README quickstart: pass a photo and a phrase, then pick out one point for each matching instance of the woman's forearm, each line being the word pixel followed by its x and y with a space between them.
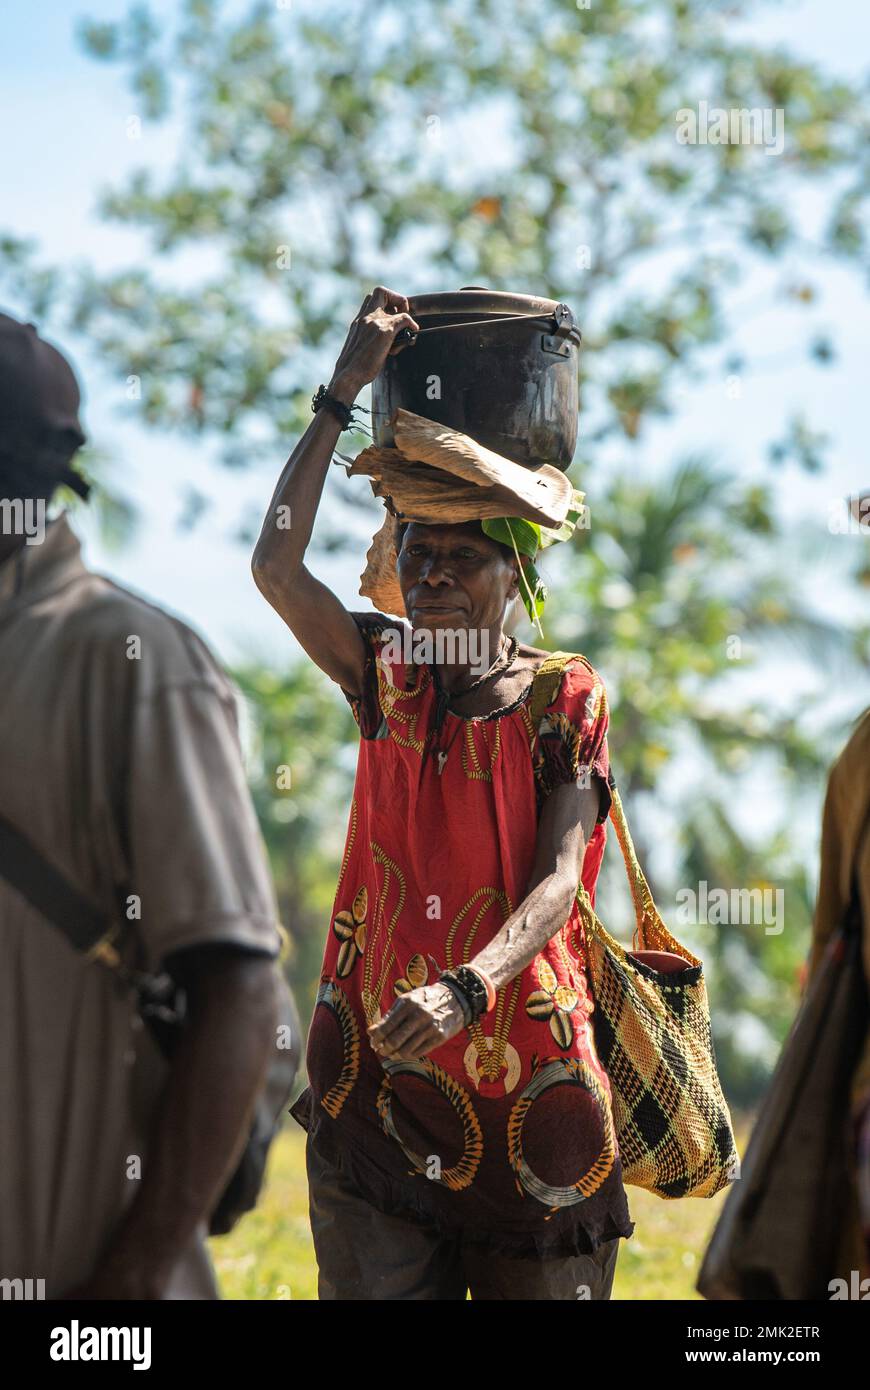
pixel 420 1021
pixel 526 932
pixel 289 521
pixel 567 822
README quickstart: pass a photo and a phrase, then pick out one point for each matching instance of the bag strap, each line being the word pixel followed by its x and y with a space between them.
pixel 547 679
pixel 650 932
pixel 27 870
pixel 86 928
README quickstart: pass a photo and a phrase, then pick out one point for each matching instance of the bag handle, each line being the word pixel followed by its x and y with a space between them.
pixel 650 932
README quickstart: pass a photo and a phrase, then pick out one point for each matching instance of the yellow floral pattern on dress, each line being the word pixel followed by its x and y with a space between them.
pixel 554 1003
pixel 350 928
pixel 416 975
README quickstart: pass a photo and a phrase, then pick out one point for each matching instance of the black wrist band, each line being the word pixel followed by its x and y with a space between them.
pixel 449 979
pixel 474 988
pixel 343 412
pixel 469 989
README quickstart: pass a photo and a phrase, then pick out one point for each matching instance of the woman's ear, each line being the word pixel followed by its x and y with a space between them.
pixel 514 590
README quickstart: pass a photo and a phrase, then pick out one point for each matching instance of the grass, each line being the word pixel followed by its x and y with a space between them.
pixel 270 1256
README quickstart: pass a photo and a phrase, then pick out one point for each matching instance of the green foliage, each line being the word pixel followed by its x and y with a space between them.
pixel 680 586
pixel 300 770
pixel 324 151
pixel 755 966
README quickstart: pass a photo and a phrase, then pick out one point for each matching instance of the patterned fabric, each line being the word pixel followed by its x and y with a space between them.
pixel 505 1131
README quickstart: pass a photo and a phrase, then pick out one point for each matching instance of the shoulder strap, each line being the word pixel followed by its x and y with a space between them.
pixel 27 870
pixel 650 930
pixel 547 679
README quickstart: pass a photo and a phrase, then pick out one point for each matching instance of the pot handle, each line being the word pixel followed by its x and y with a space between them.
pixel 565 322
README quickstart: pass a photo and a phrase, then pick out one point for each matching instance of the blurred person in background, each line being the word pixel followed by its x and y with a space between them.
pixel 845 865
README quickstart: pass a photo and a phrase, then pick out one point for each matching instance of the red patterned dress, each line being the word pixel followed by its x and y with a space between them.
pixel 505 1132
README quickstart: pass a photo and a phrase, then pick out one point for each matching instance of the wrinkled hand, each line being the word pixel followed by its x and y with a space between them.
pixel 371 337
pixel 417 1023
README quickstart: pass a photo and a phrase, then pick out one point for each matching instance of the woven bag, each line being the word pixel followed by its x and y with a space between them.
pixel 652 1032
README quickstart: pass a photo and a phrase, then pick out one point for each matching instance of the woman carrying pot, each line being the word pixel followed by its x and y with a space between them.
pixel 460 1134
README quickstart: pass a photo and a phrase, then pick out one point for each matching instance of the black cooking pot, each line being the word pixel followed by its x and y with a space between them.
pixel 503 368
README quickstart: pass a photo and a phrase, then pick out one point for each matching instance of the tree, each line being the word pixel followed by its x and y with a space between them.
pixel 321 155
pixel 300 771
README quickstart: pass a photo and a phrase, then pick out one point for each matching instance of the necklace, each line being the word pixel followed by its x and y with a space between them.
pixel 506 657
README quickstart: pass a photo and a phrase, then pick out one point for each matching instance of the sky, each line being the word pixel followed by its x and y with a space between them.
pixel 64 124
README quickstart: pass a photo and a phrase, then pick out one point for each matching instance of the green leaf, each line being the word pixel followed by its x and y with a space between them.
pixel 524 536
pixel 528 536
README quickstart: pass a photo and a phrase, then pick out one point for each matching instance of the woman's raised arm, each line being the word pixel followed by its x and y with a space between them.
pixel 318 620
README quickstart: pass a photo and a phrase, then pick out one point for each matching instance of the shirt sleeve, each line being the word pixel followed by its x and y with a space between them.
pixel 845 852
pixel 366 708
pixel 197 861
pixel 572 746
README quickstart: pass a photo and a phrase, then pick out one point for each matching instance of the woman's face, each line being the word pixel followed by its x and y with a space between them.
pixel 454 577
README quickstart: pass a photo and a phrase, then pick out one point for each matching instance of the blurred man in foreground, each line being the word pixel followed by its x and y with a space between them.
pixel 119 764
pixel 845 863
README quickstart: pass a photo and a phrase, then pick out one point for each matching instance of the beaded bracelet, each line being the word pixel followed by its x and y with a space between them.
pixel 344 412
pixel 470 983
pixel 459 994
pixel 488 985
